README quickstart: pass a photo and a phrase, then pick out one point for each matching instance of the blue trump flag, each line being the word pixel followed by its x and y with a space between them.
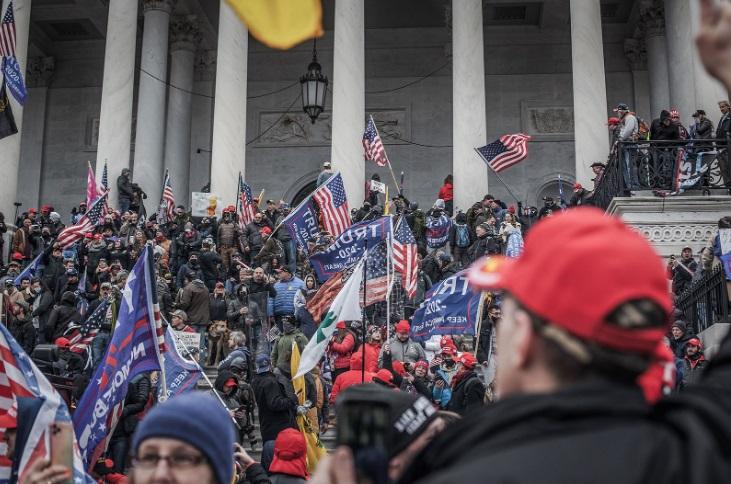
pixel 182 372
pixel 450 307
pixel 302 223
pixel 30 270
pixel 350 247
pixel 136 347
pixel 14 79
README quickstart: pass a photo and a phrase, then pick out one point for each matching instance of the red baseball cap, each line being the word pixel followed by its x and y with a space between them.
pixel 398 367
pixel 403 326
pixel 576 268
pixel 449 350
pixel 230 383
pixel 341 325
pixel 468 360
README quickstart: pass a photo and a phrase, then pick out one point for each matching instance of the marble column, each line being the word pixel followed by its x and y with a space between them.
pixel 150 130
pixel 199 173
pixel 10 145
pixel 115 118
pixel 652 19
pixel 589 87
pixel 38 74
pixel 348 105
pixel 634 51
pixel 184 37
pixel 469 125
pixel 228 152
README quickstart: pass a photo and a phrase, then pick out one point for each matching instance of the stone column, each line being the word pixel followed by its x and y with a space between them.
pixel 199 173
pixel 10 145
pixel 184 36
pixel 634 50
pixel 469 126
pixel 38 73
pixel 150 130
pixel 115 118
pixel 589 86
pixel 652 18
pixel 348 102
pixel 228 152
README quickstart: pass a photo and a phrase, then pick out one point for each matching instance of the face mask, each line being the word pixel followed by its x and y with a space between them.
pixel 287 326
pixel 449 363
pixel 37 290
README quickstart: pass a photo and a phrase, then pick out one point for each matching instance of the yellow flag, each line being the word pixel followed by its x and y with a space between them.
pixel 386 204
pixel 280 24
pixel 306 423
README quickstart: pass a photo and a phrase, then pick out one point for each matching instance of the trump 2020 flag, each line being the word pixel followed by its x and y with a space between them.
pixel 302 224
pixel 23 388
pixel 30 270
pixel 450 307
pixel 345 307
pixel 136 347
pixel 182 372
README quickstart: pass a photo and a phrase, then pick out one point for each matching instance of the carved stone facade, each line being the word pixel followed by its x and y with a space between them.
pixel 205 65
pixel 184 33
pixel 652 18
pixel 39 71
pixel 636 53
pixel 164 5
pixel 547 121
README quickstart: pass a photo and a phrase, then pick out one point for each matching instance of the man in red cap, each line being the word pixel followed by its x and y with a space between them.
pixel 584 310
pixel 694 362
pixel 402 347
pixel 468 391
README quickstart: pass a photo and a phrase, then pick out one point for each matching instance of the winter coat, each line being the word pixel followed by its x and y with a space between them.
pixel 693 369
pixel 342 350
pixel 26 335
pixel 217 307
pixel 285 293
pixel 252 233
pixel 183 271
pixel 467 395
pixel 209 261
pixel 354 376
pixel 276 408
pixel 282 350
pixel 371 356
pixel 194 301
pixel 441 396
pixel 138 395
pixel 52 271
pixel 42 307
pixel 234 316
pixel 228 235
pixel 61 316
pixel 410 351
pixel 124 187
pixel 590 431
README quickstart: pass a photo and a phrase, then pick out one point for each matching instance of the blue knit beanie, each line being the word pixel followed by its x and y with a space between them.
pixel 198 420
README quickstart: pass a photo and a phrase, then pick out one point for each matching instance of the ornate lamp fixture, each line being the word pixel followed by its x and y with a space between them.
pixel 314 87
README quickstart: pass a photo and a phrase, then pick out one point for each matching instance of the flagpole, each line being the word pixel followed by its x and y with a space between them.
pixel 478 326
pixel 515 197
pixel 389 276
pixel 390 168
pixel 363 312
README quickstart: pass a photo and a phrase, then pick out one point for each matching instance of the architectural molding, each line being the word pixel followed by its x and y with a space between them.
pixel 547 120
pixel 636 53
pixel 691 233
pixel 184 33
pixel 652 17
pixel 39 71
pixel 162 5
pixel 205 65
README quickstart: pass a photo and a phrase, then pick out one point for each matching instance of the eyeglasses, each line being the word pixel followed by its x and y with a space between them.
pixel 175 461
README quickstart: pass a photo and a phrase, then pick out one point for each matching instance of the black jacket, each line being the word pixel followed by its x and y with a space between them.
pixel 724 127
pixel 124 187
pixel 276 408
pixel 468 395
pixel 595 431
pixel 135 402
pixel 61 316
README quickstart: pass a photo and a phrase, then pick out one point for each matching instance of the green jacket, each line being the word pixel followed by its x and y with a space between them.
pixel 282 350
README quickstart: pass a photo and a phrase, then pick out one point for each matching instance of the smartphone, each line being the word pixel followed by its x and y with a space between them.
pixel 364 426
pixel 62 446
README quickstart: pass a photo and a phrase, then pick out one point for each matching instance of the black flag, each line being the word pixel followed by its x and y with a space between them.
pixel 7 120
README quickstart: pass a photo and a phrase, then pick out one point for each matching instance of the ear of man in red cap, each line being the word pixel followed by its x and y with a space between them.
pixel 584 309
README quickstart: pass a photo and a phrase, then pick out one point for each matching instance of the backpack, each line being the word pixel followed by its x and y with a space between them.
pixel 461 235
pixel 643 129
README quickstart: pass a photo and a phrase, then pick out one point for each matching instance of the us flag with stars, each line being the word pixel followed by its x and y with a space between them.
pixel 334 211
pixel 505 152
pixel 404 257
pixel 82 336
pixel 105 189
pixel 7 33
pixel 373 145
pixel 246 203
pixel 376 280
pixel 86 223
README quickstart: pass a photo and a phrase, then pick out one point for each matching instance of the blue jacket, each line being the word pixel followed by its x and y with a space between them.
pixel 284 300
pixel 442 396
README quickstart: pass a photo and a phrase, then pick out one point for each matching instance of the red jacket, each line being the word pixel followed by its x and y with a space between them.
pixel 371 357
pixel 343 350
pixel 354 376
pixel 445 193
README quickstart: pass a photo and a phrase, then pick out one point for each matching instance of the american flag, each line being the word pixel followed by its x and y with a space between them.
pixel 167 202
pixel 505 152
pixel 321 301
pixel 247 208
pixel 86 223
pixel 373 145
pixel 81 337
pixel 21 379
pixel 92 193
pixel 104 190
pixel 404 257
pixel 7 33
pixel 334 211
pixel 376 282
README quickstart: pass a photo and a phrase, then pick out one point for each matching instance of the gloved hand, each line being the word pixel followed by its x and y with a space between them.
pixel 302 410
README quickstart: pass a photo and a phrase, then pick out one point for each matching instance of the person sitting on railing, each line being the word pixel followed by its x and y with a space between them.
pixel 681 272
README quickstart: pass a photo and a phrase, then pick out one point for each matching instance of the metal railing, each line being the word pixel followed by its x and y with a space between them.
pixel 705 302
pixel 662 167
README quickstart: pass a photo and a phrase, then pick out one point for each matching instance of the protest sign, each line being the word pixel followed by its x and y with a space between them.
pixel 205 205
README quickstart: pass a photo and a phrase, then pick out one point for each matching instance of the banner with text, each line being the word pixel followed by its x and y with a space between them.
pixel 302 224
pixel 350 247
pixel 450 307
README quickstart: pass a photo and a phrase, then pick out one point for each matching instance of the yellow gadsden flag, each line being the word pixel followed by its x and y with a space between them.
pixel 306 423
pixel 280 24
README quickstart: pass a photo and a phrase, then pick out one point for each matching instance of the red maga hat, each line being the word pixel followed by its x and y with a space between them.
pixel 598 262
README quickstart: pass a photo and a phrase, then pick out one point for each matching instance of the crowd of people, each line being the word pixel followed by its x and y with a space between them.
pixel 580 331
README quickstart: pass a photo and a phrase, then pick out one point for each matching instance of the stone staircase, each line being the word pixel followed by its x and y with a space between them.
pixel 328 438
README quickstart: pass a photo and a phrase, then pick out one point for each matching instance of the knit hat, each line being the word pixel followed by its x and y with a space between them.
pixel 385 378
pixel 290 454
pixel 198 420
pixel 403 326
pixel 398 367
pixel 439 204
pixel 263 364
pixel 410 414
